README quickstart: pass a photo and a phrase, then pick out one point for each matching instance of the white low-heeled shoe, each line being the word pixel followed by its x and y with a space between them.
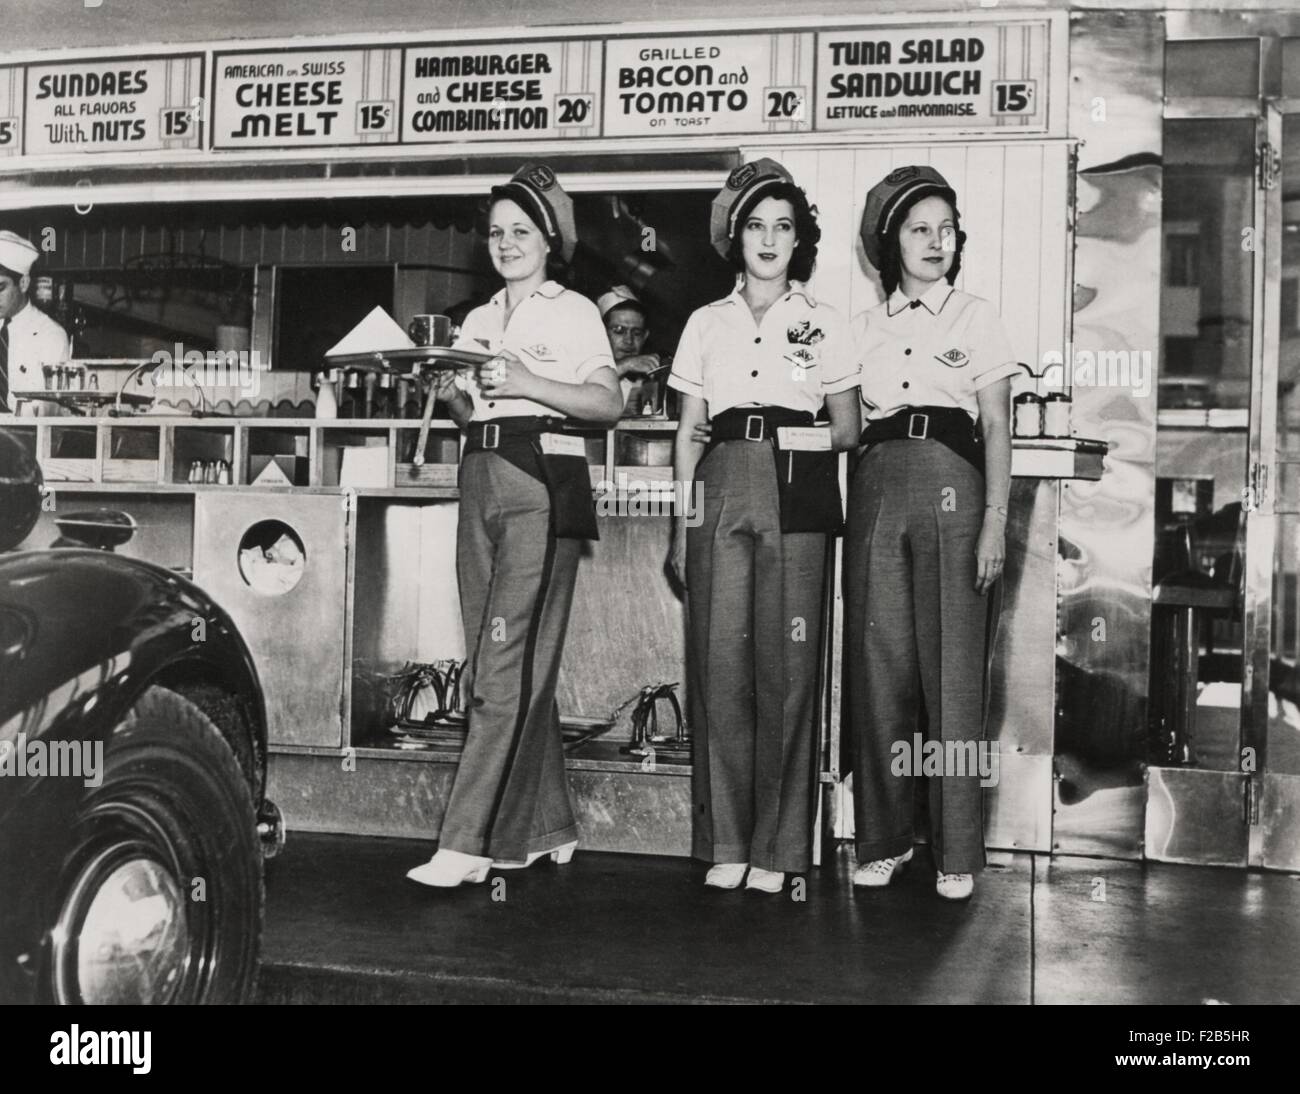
pixel 955 886
pixel 448 869
pixel 559 855
pixel 765 881
pixel 726 875
pixel 876 875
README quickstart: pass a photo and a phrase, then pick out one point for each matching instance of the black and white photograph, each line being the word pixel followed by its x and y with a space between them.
pixel 614 503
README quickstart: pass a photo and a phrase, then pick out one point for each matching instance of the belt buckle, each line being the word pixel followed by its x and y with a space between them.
pixel 491 435
pixel 925 427
pixel 749 427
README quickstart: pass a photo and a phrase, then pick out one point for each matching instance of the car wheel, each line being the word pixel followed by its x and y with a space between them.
pixel 160 897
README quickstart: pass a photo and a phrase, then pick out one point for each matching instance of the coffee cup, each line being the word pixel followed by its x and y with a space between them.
pixel 430 330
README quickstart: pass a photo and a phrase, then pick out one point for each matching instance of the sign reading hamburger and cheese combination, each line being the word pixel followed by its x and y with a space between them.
pixel 498 92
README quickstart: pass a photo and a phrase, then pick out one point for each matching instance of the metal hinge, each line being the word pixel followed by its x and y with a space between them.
pixel 1269 162
pixel 1252 801
pixel 1256 491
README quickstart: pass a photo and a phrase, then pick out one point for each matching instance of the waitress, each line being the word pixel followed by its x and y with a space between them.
pixel 924 543
pixel 757 366
pixel 525 506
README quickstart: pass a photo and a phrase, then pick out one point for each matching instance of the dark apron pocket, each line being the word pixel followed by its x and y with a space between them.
pixel 809 487
pixel 573 508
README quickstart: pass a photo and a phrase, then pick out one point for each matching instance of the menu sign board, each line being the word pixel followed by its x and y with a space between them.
pixel 499 91
pixel 123 104
pixel 980 76
pixel 685 86
pixel 11 111
pixel 305 98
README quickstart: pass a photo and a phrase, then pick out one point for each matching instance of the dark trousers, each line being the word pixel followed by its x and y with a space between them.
pixel 755 630
pixel 914 627
pixel 510 796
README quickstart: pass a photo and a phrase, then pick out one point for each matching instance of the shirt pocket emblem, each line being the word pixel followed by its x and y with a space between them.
pixel 804 357
pixel 953 358
pixel 539 352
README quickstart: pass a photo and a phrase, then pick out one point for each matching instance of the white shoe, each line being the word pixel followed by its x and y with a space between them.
pixel 559 855
pixel 765 881
pixel 955 886
pixel 447 869
pixel 876 875
pixel 726 875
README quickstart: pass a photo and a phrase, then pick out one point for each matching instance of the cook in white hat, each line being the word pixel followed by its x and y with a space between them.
pixel 28 337
pixel 626 324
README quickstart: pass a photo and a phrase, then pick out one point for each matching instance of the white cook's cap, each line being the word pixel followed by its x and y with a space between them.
pixel 17 254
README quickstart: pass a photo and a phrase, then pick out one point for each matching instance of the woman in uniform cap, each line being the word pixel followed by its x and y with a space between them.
pixel 758 366
pixel 525 506
pixel 924 541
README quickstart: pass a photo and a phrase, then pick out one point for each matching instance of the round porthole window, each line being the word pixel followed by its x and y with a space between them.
pixel 272 558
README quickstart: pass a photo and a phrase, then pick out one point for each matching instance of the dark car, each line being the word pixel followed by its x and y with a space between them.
pixel 133 816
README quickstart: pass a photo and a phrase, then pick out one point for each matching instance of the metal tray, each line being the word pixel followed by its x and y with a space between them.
pixel 435 357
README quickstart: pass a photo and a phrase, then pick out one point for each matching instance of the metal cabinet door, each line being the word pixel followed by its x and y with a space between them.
pixel 298 638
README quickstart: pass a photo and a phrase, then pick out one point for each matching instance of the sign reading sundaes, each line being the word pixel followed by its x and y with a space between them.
pixel 718 84
pixel 971 77
pixel 294 99
pixel 499 91
pixel 137 104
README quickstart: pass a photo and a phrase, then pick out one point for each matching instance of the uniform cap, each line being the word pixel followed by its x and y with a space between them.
pixel 619 294
pixel 536 190
pixel 17 254
pixel 742 184
pixel 886 197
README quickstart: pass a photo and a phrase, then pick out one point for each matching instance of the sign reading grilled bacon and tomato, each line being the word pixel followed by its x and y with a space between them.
pixel 981 76
pixel 124 104
pixel 305 98
pixel 687 86
pixel 501 91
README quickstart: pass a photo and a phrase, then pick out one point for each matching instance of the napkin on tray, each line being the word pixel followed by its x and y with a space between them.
pixel 377 332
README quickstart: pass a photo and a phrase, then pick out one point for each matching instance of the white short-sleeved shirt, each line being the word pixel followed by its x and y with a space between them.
pixel 938 350
pixel 800 353
pixel 555 332
pixel 34 340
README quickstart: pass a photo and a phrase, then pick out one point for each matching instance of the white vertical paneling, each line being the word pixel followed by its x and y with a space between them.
pixel 1054 243
pixel 1022 230
pixel 981 200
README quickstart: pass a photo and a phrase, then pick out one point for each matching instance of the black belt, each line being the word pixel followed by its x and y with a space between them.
pixel 755 423
pixel 949 425
pixel 512 432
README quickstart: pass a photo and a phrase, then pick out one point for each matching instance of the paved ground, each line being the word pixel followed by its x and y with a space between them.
pixel 343 925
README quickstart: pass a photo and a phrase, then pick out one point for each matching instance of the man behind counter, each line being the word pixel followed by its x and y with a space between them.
pixel 28 337
pixel 627 329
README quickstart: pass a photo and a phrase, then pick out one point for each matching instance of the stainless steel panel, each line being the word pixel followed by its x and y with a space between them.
pixel 1280 819
pixel 299 639
pixel 1022 685
pixel 405 797
pixel 1196 816
pixel 1018 811
pixel 627 626
pixel 1107 527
